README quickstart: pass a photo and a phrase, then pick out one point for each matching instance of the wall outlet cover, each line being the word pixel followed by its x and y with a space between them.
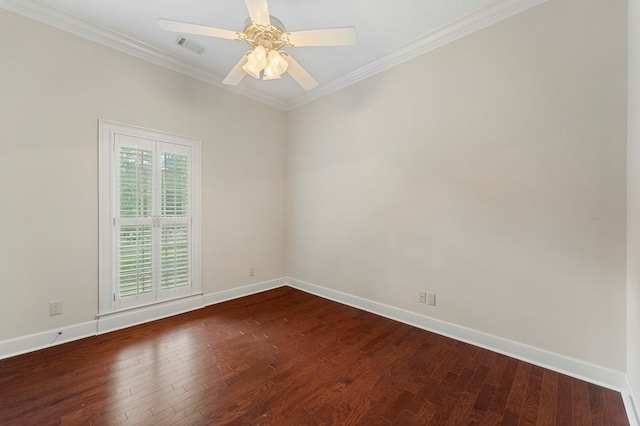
pixel 55 308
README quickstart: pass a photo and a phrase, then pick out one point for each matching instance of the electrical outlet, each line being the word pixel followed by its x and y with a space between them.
pixel 55 308
pixel 423 297
pixel 252 271
pixel 431 299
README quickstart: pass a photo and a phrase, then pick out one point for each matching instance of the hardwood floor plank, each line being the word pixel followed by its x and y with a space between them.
pixel 530 409
pixel 393 410
pixel 422 396
pixel 598 405
pixel 426 362
pixel 426 413
pixel 510 418
pixel 476 358
pixel 444 411
pixel 285 357
pixel 475 385
pixel 581 403
pixel 516 398
pixel 548 398
pixel 499 401
pixel 447 359
pixel 404 418
pixel 615 408
pixel 440 393
pixel 484 397
pixel 491 419
pixel 462 383
pixel 494 375
pixel 564 404
pixel 462 409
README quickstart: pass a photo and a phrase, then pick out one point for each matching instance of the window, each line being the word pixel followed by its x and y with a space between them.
pixel 149 217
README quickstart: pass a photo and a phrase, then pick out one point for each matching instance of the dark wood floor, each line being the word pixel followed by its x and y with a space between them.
pixel 289 358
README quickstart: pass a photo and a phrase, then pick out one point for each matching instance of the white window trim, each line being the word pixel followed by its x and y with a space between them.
pixel 106 208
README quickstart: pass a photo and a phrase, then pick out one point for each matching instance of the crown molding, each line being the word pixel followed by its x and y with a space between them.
pixel 495 12
pixel 128 45
pixel 489 15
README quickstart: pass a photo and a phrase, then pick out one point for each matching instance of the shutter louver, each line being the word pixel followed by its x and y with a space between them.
pixel 135 260
pixel 174 256
pixel 136 176
pixel 175 185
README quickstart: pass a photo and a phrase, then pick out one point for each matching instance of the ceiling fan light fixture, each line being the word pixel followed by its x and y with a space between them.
pixel 258 58
pixel 270 74
pixel 267 35
pixel 277 63
pixel 267 60
pixel 251 70
pixel 256 62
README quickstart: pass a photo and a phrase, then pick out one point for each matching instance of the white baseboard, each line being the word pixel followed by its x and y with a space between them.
pixel 606 377
pixel 45 339
pixel 566 365
pixel 632 404
pixel 234 293
pixel 128 318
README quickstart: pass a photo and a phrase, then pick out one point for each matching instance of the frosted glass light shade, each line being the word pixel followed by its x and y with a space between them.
pixel 256 61
pixel 270 73
pixel 276 66
pixel 269 61
pixel 258 58
pixel 277 63
pixel 251 70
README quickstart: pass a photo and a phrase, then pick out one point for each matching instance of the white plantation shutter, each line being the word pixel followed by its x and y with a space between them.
pixel 175 220
pixel 135 177
pixel 152 226
pixel 134 233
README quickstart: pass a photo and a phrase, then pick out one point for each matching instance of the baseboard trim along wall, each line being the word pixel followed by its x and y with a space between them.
pixel 119 320
pixel 33 342
pixel 609 378
pixel 592 373
pixel 130 317
pixel 632 404
pixel 235 293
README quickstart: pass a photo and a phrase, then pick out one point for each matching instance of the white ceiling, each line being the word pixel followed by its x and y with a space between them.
pixel 389 32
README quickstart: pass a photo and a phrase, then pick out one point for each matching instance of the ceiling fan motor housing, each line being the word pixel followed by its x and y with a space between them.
pixel 269 37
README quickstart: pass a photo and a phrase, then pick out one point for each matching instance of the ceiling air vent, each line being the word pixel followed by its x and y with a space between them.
pixel 191 45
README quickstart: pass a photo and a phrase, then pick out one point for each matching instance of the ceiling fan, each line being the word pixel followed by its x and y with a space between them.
pixel 267 36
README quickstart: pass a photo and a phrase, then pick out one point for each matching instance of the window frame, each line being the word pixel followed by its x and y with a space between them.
pixel 108 159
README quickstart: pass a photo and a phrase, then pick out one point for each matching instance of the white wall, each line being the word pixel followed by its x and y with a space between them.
pixel 633 203
pixel 53 89
pixel 490 171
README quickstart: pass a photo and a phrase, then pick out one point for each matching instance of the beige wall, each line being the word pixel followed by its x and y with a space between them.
pixel 490 171
pixel 53 89
pixel 633 200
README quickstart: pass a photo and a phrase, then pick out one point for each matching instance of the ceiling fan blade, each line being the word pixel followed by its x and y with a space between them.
pixel 343 36
pixel 298 73
pixel 236 75
pixel 259 12
pixel 184 27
